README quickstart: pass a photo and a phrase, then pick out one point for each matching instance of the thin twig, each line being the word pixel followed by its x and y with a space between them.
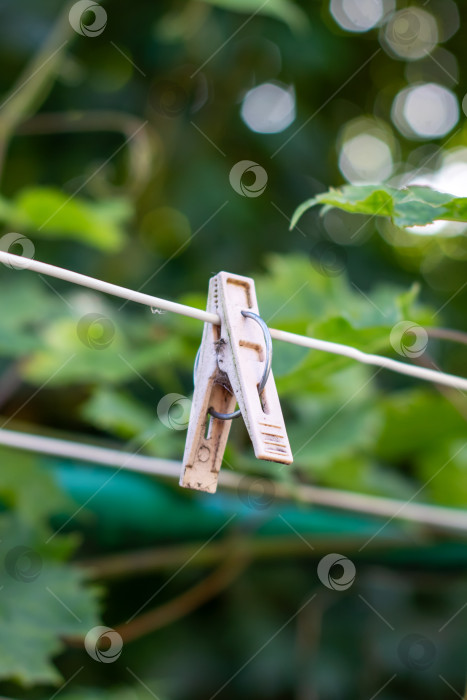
pixel 181 605
pixel 149 561
pixel 34 83
pixel 185 603
pixel 308 640
pixel 140 148
pixel 10 380
pixel 447 334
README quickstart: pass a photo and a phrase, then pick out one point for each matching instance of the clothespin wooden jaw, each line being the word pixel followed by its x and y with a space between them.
pixel 230 369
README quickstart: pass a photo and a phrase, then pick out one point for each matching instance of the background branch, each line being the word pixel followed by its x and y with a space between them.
pixel 34 83
pixel 141 141
pixel 187 602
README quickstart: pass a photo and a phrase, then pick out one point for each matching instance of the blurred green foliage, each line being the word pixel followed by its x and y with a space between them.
pixel 56 214
pixel 116 154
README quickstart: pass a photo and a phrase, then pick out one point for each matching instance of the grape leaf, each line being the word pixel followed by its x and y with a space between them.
pixel 34 617
pixel 23 309
pixel 43 598
pixel 410 206
pixel 29 490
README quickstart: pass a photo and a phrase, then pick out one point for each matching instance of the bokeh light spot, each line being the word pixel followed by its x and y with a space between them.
pixel 427 110
pixel 366 150
pixel 269 108
pixel 365 159
pixel 411 34
pixel 464 105
pixel 357 15
pixel 447 17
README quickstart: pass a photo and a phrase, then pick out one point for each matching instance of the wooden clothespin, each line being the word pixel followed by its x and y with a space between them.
pixel 233 366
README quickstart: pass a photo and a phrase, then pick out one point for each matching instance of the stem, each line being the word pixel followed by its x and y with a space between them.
pixel 140 147
pixel 447 334
pixel 98 120
pixel 309 629
pixel 34 83
pixel 148 561
pixel 185 603
pixel 10 380
pixel 182 605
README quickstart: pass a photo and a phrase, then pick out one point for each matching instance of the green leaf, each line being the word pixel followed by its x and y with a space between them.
pixel 69 354
pixel 406 417
pixel 24 306
pixel 327 308
pixel 36 613
pixel 119 413
pixel 28 489
pixel 443 471
pixel 43 598
pixel 51 213
pixel 324 434
pixel 7 209
pixel 411 206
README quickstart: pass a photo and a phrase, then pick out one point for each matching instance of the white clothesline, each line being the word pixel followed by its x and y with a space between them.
pixel 426 374
pixel 434 516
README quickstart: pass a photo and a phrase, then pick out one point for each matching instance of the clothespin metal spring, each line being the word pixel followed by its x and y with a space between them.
pixel 267 366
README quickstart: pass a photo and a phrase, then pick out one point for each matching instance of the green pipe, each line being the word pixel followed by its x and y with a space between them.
pixel 125 508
